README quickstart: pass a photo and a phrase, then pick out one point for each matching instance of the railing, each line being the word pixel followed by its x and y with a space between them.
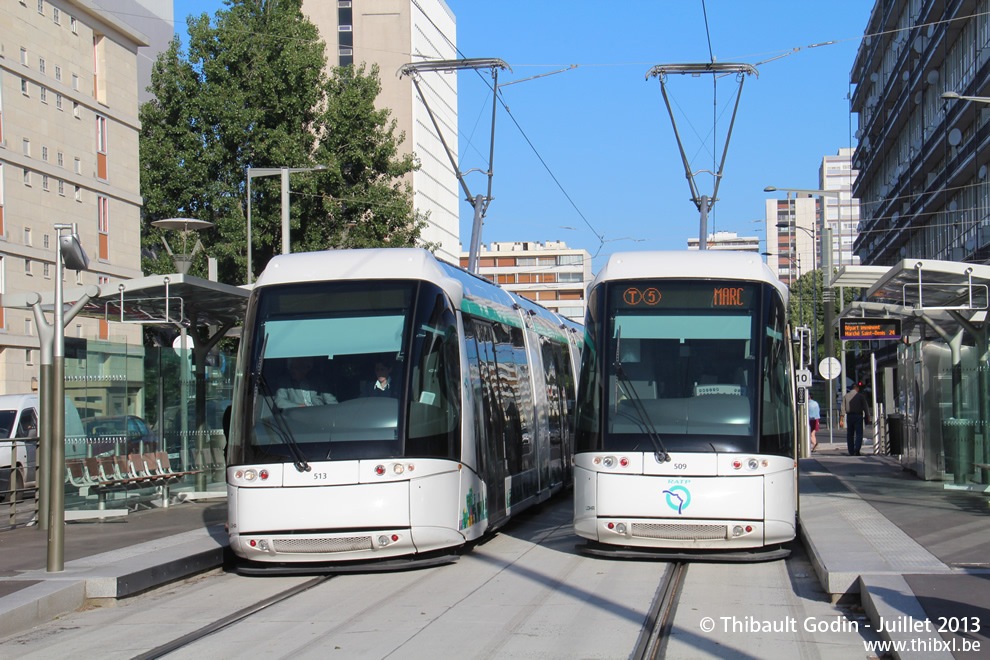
pixel 18 485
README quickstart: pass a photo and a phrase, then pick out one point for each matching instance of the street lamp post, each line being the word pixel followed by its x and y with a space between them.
pixel 284 172
pixel 814 287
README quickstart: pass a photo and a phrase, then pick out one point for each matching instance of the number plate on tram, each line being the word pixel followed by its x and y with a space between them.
pixel 682 464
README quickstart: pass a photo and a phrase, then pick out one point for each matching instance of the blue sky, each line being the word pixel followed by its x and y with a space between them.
pixel 604 131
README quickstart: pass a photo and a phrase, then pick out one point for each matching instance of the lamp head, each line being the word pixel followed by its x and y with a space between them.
pixel 73 255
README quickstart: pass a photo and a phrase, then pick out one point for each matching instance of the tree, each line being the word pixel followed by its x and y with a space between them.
pixel 806 305
pixel 253 91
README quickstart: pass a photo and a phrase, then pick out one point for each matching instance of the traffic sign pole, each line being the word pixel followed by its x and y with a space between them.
pixel 830 369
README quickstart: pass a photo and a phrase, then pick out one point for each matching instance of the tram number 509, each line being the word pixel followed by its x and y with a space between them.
pixel 680 466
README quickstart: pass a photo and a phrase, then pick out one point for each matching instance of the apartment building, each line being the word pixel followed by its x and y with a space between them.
pixel 550 273
pixel 392 33
pixel 68 154
pixel 728 240
pixel 922 157
pixel 792 236
pixel 840 213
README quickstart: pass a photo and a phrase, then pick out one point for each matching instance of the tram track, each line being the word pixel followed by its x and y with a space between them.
pixel 231 619
pixel 652 642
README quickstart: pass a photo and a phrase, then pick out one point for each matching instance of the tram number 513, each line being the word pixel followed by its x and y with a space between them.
pixel 320 476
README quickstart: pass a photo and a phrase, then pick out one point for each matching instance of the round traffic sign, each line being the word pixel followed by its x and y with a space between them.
pixel 830 368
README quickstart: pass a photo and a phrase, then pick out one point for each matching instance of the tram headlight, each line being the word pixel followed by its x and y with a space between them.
pixel 621 528
pixel 753 464
pixel 383 541
pixel 737 530
pixel 250 475
pixel 397 468
pixel 609 462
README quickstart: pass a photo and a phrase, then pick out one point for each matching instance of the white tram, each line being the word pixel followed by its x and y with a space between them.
pixel 473 425
pixel 686 424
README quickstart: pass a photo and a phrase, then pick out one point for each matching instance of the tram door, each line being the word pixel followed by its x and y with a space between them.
pixel 490 421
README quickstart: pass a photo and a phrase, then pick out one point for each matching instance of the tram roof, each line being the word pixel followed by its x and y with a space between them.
pixel 468 292
pixel 689 264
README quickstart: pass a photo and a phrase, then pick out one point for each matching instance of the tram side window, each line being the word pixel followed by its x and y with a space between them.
pixel 490 422
pixel 588 436
pixel 553 363
pixel 778 417
pixel 515 394
pixel 434 401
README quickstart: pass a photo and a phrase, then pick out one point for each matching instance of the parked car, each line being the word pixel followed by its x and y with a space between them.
pixel 19 438
pixel 122 434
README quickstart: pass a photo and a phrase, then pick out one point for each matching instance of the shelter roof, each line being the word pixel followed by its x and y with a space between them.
pixel 155 300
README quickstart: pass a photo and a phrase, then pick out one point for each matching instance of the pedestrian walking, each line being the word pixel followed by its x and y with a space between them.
pixel 814 414
pixel 856 411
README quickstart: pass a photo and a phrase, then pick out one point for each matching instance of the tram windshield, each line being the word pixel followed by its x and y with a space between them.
pixel 690 361
pixel 348 370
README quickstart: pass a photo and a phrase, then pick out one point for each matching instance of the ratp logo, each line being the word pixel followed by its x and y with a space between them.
pixel 678 498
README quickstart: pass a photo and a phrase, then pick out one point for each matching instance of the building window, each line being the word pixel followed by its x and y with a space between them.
pixel 46 241
pixel 56 16
pixel 60 159
pixel 24 56
pixel 58 73
pixel 27 357
pixel 101 147
pixel 78 193
pixel 61 187
pixel 44 182
pixel 41 65
pixel 75 82
pixel 78 166
pixel 2 229
pixel 44 153
pixel 26 147
pixel 73 25
pixel 47 271
pixel 75 109
pixel 24 87
pixel 44 95
pixel 103 225
pixel 41 6
pixel 27 236
pixel 27 177
pixel 27 266
pixel 58 101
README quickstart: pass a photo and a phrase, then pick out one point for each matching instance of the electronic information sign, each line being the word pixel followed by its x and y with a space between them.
pixel 852 329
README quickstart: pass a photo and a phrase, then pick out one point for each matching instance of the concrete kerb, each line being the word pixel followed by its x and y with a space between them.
pixel 890 597
pixel 40 603
pixel 110 575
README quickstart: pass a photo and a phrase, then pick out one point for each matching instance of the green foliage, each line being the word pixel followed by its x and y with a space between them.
pixel 807 308
pixel 253 91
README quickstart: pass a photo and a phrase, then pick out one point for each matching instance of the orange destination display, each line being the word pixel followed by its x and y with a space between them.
pixel 869 329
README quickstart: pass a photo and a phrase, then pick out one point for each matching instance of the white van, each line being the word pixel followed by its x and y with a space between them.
pixel 19 438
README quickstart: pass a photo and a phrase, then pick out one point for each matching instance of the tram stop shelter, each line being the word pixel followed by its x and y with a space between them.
pixel 203 311
pixel 935 383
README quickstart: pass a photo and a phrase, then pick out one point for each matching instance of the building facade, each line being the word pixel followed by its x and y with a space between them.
pixel 923 158
pixel 842 213
pixel 728 240
pixel 792 236
pixel 68 154
pixel 392 33
pixel 550 273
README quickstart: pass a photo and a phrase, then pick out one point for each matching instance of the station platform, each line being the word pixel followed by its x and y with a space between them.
pixel 910 551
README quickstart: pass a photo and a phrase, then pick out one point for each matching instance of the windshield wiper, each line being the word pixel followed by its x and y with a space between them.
pixel 281 427
pixel 659 451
